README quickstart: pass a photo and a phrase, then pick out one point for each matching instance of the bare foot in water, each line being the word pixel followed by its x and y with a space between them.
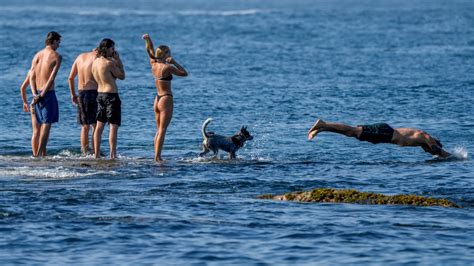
pixel 313 131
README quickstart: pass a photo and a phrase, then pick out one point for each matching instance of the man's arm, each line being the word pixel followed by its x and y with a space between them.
pixel 70 80
pixel 32 75
pixel 23 87
pixel 52 76
pixel 117 67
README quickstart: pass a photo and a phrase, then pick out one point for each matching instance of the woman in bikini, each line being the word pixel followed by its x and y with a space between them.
pixel 163 67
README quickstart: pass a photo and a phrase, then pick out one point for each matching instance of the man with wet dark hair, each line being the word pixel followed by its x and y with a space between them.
pixel 52 37
pixel 106 68
pixel 383 133
pixel 44 68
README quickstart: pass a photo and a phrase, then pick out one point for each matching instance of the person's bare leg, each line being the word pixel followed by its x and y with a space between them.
pixel 43 139
pixel 85 139
pixel 92 137
pixel 166 112
pixel 113 131
pixel 155 140
pixel 339 128
pixel 98 138
pixel 35 135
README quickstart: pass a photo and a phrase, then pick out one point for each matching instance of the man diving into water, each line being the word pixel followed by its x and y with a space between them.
pixel 383 133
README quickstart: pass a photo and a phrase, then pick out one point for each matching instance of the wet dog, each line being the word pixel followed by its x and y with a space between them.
pixel 213 142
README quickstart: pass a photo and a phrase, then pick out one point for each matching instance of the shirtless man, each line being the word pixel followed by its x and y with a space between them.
pixel 44 67
pixel 87 100
pixel 383 133
pixel 107 67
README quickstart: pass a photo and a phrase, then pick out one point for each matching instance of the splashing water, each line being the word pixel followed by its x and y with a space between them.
pixel 460 153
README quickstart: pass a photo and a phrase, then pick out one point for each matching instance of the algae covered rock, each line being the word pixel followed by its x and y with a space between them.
pixel 354 196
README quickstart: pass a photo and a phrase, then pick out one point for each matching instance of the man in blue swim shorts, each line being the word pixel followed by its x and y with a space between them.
pixel 44 67
pixel 383 133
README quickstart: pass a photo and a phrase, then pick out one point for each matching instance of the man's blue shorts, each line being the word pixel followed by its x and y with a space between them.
pixel 46 109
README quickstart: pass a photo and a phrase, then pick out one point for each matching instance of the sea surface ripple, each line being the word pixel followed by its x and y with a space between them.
pixel 274 66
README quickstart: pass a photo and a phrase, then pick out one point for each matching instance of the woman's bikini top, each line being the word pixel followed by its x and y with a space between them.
pixel 167 78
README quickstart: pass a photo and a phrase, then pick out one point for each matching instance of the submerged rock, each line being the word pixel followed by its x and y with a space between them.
pixel 354 196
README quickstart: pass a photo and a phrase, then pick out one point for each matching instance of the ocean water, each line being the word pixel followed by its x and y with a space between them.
pixel 274 66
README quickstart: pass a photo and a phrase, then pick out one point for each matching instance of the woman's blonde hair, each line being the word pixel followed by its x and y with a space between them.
pixel 162 51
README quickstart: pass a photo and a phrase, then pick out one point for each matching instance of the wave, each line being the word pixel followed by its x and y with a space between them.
pixel 244 12
pixel 47 173
pixel 225 160
pixel 123 11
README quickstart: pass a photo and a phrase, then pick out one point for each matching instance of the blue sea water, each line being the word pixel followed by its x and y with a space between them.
pixel 274 66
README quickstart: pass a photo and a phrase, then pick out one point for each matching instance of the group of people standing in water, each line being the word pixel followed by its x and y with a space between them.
pixel 97 100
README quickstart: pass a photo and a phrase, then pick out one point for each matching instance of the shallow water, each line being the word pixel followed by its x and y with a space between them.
pixel 274 66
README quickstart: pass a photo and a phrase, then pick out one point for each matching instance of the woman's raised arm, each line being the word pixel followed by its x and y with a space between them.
pixel 149 46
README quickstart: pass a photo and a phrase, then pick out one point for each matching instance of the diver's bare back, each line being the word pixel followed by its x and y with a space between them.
pixel 85 78
pixel 411 137
pixel 102 71
pixel 43 65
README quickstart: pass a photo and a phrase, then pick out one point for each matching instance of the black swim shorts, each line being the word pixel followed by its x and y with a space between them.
pixel 87 107
pixel 376 133
pixel 109 108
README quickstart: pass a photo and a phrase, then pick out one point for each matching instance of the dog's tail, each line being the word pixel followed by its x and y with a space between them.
pixel 204 126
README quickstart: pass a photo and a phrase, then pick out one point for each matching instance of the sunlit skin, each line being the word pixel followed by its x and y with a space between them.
pixel 162 66
pixel 82 68
pixel 34 124
pixel 105 71
pixel 405 137
pixel 44 68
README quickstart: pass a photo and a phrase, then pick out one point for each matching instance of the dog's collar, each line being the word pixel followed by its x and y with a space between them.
pixel 237 140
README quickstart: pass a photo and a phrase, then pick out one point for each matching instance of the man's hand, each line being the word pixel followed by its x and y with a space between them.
pixel 26 108
pixel 36 99
pixel 74 99
pixel 146 36
pixel 116 55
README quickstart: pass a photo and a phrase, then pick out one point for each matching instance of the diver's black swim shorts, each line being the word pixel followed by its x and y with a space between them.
pixel 376 133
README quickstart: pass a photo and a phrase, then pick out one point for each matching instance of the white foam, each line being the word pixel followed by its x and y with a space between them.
pixel 244 12
pixel 48 173
pixel 124 11
pixel 460 153
pixel 198 160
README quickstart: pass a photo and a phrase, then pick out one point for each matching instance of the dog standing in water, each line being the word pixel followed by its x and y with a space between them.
pixel 213 142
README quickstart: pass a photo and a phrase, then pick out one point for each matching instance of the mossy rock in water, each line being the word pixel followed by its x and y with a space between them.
pixel 354 196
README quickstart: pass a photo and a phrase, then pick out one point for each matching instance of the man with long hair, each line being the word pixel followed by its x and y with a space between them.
pixel 106 68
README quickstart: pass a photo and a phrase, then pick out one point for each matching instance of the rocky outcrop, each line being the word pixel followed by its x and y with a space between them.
pixel 354 196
